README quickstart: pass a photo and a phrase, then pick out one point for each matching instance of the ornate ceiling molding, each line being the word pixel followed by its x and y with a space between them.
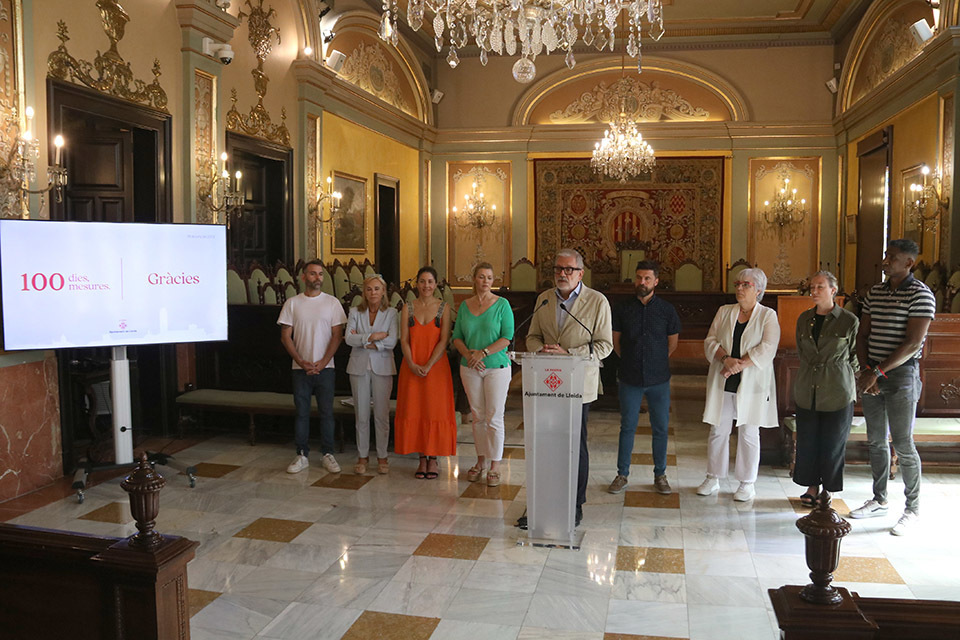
pixel 368 67
pixel 258 122
pixel 113 75
pixel 642 102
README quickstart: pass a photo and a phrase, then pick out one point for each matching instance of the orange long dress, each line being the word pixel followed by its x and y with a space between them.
pixel 425 422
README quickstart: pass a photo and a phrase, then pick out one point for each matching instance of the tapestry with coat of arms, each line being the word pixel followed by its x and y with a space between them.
pixel 676 211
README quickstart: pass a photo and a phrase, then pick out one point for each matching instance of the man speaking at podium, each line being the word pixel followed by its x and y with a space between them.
pixel 575 320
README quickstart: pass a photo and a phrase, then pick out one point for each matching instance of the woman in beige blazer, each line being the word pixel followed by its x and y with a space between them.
pixel 740 346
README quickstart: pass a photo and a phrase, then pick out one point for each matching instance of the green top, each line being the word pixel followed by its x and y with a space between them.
pixel 828 366
pixel 479 332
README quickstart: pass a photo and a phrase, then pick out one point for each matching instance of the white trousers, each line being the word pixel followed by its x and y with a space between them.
pixel 718 444
pixel 487 392
pixel 364 386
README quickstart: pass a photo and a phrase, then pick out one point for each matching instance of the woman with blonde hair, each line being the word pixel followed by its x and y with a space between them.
pixel 372 334
pixel 426 422
pixel 483 331
pixel 740 346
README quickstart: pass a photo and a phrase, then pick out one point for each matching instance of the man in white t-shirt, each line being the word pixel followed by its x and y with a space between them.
pixel 311 328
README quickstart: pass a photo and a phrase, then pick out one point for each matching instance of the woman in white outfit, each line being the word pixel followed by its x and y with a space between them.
pixel 740 347
pixel 372 332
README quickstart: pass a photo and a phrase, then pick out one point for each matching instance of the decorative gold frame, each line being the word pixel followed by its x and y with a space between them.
pixel 348 213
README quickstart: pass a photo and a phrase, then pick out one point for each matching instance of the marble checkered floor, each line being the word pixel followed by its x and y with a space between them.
pixel 343 556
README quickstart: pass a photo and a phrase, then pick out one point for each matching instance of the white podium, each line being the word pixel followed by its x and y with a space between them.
pixel 552 408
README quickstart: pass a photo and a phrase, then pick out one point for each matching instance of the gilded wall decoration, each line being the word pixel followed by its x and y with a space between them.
pixel 786 254
pixel 473 237
pixel 947 145
pixel 204 141
pixel 11 56
pixel 642 102
pixel 676 210
pixel 368 67
pixel 893 47
pixel 312 178
pixel 258 122
pixel 108 73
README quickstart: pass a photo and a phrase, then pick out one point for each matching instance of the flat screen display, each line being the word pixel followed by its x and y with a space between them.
pixel 91 284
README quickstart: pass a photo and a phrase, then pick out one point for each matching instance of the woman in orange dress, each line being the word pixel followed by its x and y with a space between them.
pixel 425 421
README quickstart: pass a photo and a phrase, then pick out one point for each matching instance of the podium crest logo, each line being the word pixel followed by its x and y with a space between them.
pixel 553 381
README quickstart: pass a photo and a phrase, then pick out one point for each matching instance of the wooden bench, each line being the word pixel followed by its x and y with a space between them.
pixel 255 403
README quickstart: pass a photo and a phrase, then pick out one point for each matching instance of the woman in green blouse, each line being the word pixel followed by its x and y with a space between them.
pixel 483 331
pixel 824 389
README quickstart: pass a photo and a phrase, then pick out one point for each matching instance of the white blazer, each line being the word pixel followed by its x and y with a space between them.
pixel 379 360
pixel 757 394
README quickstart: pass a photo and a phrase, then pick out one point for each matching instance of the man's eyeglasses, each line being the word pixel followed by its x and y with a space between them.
pixel 566 270
pixel 745 284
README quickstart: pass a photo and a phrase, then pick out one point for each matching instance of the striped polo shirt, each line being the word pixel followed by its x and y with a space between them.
pixel 889 312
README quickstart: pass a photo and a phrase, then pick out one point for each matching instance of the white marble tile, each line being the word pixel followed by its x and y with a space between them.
pixel 714 539
pixel 305 557
pixel 414 599
pixel 569 573
pixel 331 534
pixel 878 590
pixel 234 614
pixel 638 617
pixel 541 633
pixel 313 621
pixel 925 571
pixel 459 630
pixel 651 587
pixel 333 590
pixel 649 517
pixel 507 550
pixel 480 605
pixel 199 633
pixel 472 526
pixel 708 622
pixel 351 516
pixel 935 592
pixel 364 562
pixel 718 563
pixel 504 576
pixel 725 590
pixel 210 575
pixel 245 551
pixel 390 541
pixel 792 569
pixel 570 613
pixel 635 535
pixel 450 572
pixel 276 584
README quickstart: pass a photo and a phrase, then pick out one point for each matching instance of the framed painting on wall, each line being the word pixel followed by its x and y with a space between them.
pixel 851 229
pixel 350 228
pixel 911 228
pixel 480 233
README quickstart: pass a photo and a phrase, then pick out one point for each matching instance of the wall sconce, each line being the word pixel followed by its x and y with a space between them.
pixel 329 195
pixel 19 169
pixel 218 193
pixel 785 214
pixel 927 200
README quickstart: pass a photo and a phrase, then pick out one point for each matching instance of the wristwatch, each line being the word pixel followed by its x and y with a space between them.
pixel 724 357
pixel 485 351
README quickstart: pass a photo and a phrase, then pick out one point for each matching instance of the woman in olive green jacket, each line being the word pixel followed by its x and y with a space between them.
pixel 824 389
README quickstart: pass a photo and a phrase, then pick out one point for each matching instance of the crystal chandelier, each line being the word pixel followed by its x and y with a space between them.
pixel 526 26
pixel 623 153
pixel 785 214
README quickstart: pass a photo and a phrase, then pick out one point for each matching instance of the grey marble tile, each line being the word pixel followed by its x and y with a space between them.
pixel 414 599
pixel 305 557
pixel 334 590
pixel 449 572
pixel 210 575
pixel 368 563
pixel 725 591
pixel 480 605
pixel 638 617
pixel 244 616
pixel 504 576
pixel 565 612
pixel 714 539
pixel 276 584
pixel 636 535
pixel 459 630
pixel 651 587
pixel 718 563
pixel 709 622
pixel 313 621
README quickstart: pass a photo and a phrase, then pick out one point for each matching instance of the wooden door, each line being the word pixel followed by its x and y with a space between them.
pixel 873 215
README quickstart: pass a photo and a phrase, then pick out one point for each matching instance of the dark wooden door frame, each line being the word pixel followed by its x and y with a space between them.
pixel 394 183
pixel 61 96
pixel 272 151
pixel 880 142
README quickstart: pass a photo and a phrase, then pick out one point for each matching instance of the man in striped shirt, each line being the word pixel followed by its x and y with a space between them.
pixel 893 326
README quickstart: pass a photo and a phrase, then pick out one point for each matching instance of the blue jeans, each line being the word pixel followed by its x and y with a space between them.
pixel 304 387
pixel 894 408
pixel 658 398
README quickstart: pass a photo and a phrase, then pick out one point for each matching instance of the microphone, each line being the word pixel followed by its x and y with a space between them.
pixel 564 307
pixel 529 318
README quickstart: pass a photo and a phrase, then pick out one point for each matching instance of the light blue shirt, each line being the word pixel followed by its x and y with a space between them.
pixel 568 303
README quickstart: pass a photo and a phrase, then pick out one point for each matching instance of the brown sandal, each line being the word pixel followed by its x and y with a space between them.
pixel 361 467
pixel 493 478
pixel 383 466
pixel 473 474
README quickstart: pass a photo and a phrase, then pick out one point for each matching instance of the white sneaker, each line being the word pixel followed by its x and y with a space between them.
pixel 745 492
pixel 299 464
pixel 870 509
pixel 906 522
pixel 708 487
pixel 330 463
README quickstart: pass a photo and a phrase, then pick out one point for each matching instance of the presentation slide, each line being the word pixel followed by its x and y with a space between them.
pixel 85 284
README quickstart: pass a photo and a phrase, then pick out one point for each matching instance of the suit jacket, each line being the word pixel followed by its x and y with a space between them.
pixel 379 360
pixel 757 394
pixel 593 310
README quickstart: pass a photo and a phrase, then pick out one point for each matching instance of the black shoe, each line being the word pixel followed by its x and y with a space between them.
pixel 579 517
pixel 521 523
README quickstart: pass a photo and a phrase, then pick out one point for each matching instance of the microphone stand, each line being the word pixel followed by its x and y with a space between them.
pixel 564 307
pixel 529 318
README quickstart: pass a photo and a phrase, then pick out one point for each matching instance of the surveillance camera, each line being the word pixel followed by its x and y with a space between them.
pixel 225 54
pixel 223 4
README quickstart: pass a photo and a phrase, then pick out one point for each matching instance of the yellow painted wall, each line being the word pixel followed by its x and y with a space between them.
pixel 352 149
pixel 915 132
